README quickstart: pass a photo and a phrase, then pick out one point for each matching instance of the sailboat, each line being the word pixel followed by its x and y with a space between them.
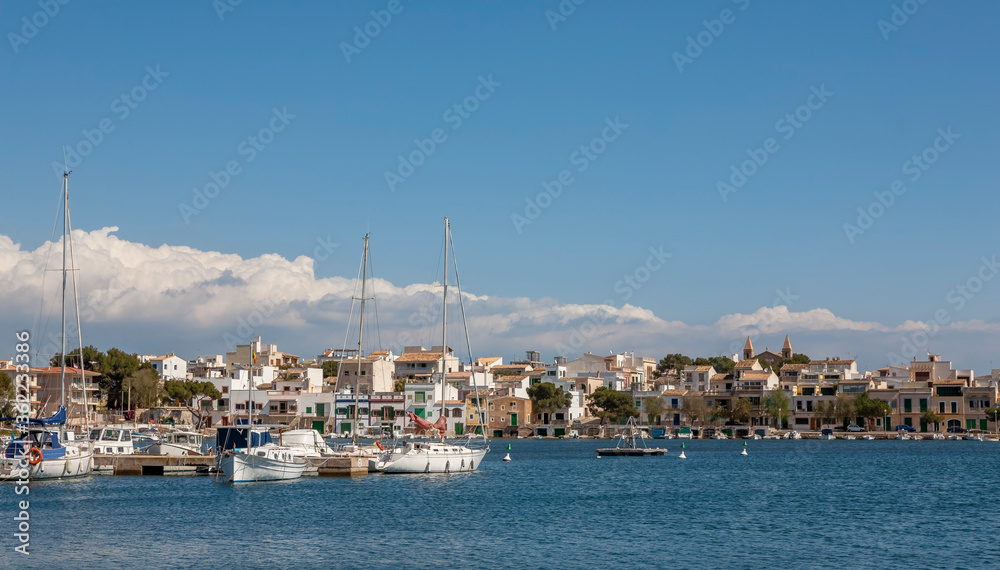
pixel 247 453
pixel 41 450
pixel 438 456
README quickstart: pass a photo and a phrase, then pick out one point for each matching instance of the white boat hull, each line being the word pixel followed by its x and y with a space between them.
pixel 431 458
pixel 241 467
pixel 75 463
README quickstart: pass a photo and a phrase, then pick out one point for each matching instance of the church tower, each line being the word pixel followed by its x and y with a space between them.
pixel 786 351
pixel 748 350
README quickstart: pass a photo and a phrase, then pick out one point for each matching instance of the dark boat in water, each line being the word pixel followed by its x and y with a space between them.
pixel 627 446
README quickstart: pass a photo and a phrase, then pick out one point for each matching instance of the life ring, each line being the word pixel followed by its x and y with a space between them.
pixel 34 456
pixel 378 443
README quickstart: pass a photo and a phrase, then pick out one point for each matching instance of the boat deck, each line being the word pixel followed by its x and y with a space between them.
pixel 627 452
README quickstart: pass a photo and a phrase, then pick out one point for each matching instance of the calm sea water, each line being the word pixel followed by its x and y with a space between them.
pixel 789 504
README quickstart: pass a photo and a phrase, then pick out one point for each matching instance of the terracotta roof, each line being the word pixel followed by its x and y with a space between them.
pixel 831 362
pixel 721 376
pixel 756 375
pixel 419 357
pixel 794 367
pixel 921 366
pixel 673 392
pixel 512 367
pixel 58 370
pixel 487 360
pixel 702 368
pixel 748 363
pixel 379 353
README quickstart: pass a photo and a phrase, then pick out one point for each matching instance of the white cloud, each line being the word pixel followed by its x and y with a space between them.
pixel 154 299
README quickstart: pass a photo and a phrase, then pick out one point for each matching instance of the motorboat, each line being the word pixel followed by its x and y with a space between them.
pixel 177 444
pixel 248 454
pixel 938 436
pixel 792 434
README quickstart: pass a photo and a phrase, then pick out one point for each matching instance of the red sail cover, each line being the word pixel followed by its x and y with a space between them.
pixel 441 424
pixel 421 422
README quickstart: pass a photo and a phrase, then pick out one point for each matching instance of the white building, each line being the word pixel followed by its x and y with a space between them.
pixel 170 367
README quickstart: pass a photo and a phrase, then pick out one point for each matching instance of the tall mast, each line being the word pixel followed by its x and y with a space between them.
pixel 444 322
pixel 79 330
pixel 62 374
pixel 361 334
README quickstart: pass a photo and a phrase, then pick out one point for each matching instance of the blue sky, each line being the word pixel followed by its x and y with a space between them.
pixel 322 177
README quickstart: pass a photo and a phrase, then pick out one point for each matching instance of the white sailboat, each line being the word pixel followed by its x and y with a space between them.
pixel 42 450
pixel 438 456
pixel 247 453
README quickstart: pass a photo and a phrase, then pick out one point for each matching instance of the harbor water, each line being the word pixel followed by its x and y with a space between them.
pixel 790 504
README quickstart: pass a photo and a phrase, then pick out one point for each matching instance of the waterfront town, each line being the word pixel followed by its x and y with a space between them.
pixel 382 394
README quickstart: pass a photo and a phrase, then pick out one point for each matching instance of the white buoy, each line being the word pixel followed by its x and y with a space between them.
pixel 506 457
pixel 682 456
pixel 744 452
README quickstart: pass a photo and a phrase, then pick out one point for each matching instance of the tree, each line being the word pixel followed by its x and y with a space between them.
pixel 8 395
pixel 330 369
pixel 91 358
pixel 825 411
pixel 142 386
pixel 870 409
pixel 606 403
pixel 115 367
pixel 183 392
pixel 931 417
pixel 719 414
pixel 993 414
pixel 742 408
pixel 795 359
pixel 547 399
pixel 694 408
pixel 775 406
pixel 843 408
pixel 722 364
pixel 671 362
pixel 654 408
pixel 399 385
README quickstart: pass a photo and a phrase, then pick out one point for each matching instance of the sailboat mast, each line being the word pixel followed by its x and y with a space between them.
pixel 79 330
pixel 444 321
pixel 361 334
pixel 62 374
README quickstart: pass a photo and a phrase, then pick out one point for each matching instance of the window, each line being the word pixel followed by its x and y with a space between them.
pixel 954 407
pixel 940 407
pixel 501 406
pixel 513 405
pixel 472 416
pixel 908 405
pixel 225 389
pixel 362 372
pixel 923 404
pixel 309 409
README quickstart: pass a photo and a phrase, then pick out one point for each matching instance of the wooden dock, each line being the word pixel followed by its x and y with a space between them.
pixel 154 464
pixel 200 464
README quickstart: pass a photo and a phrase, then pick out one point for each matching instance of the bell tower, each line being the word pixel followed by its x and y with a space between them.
pixel 786 351
pixel 748 350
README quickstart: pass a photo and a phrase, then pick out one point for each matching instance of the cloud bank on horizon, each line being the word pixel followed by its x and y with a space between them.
pixel 175 298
